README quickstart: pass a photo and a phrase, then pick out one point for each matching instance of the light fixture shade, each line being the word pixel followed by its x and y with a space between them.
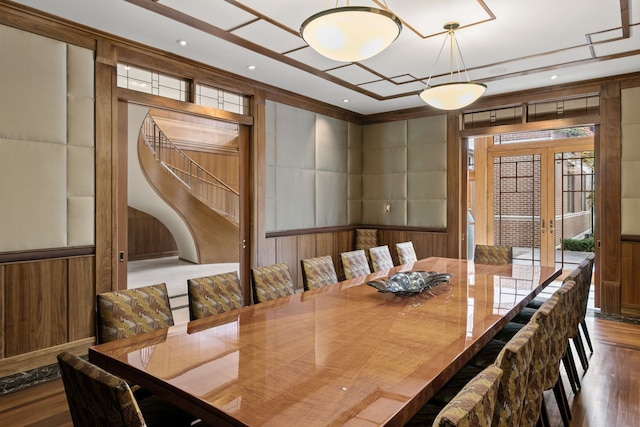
pixel 452 96
pixel 351 33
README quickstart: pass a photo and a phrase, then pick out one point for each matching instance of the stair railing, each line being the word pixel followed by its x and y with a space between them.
pixel 203 185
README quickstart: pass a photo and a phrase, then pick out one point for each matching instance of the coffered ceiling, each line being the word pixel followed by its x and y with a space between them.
pixel 508 45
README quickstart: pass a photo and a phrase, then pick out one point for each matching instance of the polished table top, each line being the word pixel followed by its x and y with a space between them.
pixel 340 355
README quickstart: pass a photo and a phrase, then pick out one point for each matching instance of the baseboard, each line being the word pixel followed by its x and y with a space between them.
pixel 39 358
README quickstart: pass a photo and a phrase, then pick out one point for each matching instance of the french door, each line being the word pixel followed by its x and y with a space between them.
pixel 536 196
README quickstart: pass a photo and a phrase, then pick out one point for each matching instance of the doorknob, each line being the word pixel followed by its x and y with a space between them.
pixel 550 226
pixel 244 244
pixel 542 226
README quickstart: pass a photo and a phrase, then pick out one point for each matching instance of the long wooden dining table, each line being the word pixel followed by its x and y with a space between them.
pixel 341 355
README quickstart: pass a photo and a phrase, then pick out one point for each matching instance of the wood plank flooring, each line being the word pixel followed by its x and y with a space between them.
pixel 610 388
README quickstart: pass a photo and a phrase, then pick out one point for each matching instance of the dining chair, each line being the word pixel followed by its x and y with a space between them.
pixel 271 282
pixel 214 294
pixel 514 358
pixel 515 361
pixel 472 406
pixel 98 398
pixel 381 258
pixel 406 252
pixel 129 312
pixel 354 264
pixel 318 272
pixel 585 285
pixel 366 238
pixel 488 254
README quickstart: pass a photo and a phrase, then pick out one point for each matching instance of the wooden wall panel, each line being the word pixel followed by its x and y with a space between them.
pixel 35 307
pixel 82 294
pixel 287 253
pixel 2 312
pixel 223 166
pixel 630 289
pixel 148 237
pixel 306 249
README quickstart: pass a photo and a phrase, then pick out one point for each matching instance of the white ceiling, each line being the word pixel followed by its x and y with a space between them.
pixel 509 45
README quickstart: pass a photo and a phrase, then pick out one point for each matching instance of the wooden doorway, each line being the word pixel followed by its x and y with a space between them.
pixel 238 177
pixel 533 196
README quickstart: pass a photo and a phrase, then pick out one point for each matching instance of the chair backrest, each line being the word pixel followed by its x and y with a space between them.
pixel 545 352
pixel 129 312
pixel 381 258
pixel 488 254
pixel 559 339
pixel 355 264
pixel 271 282
pixel 584 283
pixel 475 404
pixel 214 294
pixel 406 252
pixel 318 272
pixel 366 238
pixel 96 397
pixel 571 304
pixel 514 359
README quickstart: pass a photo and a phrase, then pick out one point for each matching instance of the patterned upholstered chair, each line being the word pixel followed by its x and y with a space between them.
pixel 366 238
pixel 130 312
pixel 318 272
pixel 585 287
pixel 487 254
pixel 406 252
pixel 543 355
pixel 515 361
pixel 214 294
pixel 271 282
pixel 355 264
pixel 98 398
pixel 381 258
pixel 472 406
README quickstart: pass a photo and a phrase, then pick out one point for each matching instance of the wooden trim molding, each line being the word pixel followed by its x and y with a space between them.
pixel 321 230
pixel 40 254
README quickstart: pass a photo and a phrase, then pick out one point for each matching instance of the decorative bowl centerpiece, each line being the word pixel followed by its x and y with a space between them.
pixel 410 282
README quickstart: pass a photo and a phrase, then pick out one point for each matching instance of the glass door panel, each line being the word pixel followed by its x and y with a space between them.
pixel 516 205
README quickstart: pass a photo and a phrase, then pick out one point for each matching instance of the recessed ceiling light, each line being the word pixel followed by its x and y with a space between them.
pixel 345 100
pixel 251 67
pixel 554 77
pixel 182 42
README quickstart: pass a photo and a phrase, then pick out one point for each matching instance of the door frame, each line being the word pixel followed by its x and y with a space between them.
pixel 485 151
pixel 119 165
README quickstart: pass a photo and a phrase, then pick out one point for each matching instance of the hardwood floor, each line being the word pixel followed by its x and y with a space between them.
pixel 610 388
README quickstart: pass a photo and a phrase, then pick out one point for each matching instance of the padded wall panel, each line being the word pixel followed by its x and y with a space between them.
pixel 427 185
pixel 295 198
pixel 384 160
pixel 427 213
pixel 331 144
pixel 331 196
pixel 391 186
pixel 80 171
pixel 270 160
pixel 33 76
pixel 33 195
pixel 308 169
pixel 80 97
pixel 427 172
pixel 374 212
pixel 355 173
pixel 384 135
pixel 432 129
pixel 630 161
pixel 295 137
pixel 80 220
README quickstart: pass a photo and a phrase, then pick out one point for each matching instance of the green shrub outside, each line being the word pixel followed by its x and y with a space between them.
pixel 582 245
